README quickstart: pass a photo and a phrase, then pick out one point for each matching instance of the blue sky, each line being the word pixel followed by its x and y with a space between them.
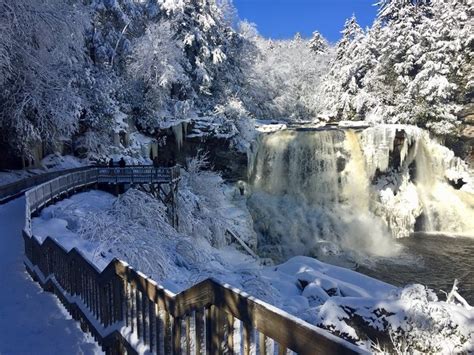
pixel 283 18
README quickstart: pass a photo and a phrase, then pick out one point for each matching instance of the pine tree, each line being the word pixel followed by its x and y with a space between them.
pixel 196 62
pixel 350 32
pixel 389 10
pixel 318 43
pixel 411 67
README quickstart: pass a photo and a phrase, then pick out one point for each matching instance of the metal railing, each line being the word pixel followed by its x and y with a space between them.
pixel 129 313
pixel 137 174
pixel 12 190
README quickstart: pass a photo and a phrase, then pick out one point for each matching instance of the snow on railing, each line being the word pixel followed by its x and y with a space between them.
pixel 127 312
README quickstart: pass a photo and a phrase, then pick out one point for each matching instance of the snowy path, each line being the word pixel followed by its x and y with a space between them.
pixel 31 321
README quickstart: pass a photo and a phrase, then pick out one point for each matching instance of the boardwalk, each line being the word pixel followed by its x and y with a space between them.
pixel 31 321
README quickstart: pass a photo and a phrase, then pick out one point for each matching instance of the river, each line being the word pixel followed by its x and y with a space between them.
pixel 432 260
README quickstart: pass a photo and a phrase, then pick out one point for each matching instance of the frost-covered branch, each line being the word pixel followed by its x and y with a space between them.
pixel 454 295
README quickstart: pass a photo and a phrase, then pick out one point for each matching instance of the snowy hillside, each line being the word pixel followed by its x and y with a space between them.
pixel 112 68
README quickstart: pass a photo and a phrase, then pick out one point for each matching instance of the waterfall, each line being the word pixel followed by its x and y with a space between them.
pixel 310 196
pixel 342 192
pixel 446 209
pixel 301 165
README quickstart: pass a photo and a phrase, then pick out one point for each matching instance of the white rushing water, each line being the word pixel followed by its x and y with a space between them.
pixel 327 192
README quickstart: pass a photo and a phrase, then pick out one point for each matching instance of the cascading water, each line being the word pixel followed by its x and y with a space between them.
pixel 309 198
pixel 415 186
pixel 446 209
pixel 335 192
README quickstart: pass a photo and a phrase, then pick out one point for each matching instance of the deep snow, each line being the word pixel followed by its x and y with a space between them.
pixel 343 301
pixel 31 321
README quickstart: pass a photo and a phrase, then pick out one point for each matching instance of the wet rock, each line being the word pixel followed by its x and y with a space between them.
pixel 457 184
pixel 341 164
pixel 222 155
pixel 420 223
pixel 398 143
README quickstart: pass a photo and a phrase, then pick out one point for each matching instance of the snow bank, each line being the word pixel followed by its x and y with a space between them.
pixel 369 312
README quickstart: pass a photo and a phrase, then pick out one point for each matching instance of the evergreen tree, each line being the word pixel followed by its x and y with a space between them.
pixel 318 43
pixel 350 32
pixel 411 67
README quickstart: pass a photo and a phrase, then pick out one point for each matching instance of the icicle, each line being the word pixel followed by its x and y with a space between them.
pixel 178 135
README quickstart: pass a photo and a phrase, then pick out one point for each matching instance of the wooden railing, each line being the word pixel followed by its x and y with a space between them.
pixel 129 313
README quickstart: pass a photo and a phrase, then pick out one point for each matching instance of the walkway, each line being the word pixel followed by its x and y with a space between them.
pixel 31 321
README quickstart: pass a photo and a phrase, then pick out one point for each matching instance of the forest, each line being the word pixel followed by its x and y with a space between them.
pixel 75 75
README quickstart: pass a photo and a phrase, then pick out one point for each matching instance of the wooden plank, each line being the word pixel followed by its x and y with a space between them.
pixel 209 322
pixel 246 338
pixel 282 350
pixel 176 335
pixel 133 314
pixel 188 335
pixel 158 328
pixel 101 295
pixel 167 334
pixel 262 343
pixel 138 313
pixel 230 332
pixel 151 324
pixel 127 302
pixel 144 313
pixel 200 332
pixel 119 297
pixel 216 330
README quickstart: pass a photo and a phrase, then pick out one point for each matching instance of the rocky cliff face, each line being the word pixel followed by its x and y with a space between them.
pixel 175 144
pixel 466 140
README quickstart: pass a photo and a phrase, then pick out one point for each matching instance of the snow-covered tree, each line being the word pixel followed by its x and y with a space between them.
pixel 350 32
pixel 411 67
pixel 40 57
pixel 390 9
pixel 159 62
pixel 188 61
pixel 229 12
pixel 318 43
pixel 284 79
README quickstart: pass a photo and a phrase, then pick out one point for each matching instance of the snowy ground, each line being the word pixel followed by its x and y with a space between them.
pixel 362 309
pixel 31 321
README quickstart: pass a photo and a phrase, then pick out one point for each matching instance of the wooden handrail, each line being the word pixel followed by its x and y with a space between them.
pixel 128 312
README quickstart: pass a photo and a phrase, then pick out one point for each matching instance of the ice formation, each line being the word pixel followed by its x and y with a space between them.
pixel 331 191
pixel 179 132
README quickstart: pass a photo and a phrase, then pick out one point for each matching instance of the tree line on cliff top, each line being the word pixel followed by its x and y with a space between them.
pixel 71 70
